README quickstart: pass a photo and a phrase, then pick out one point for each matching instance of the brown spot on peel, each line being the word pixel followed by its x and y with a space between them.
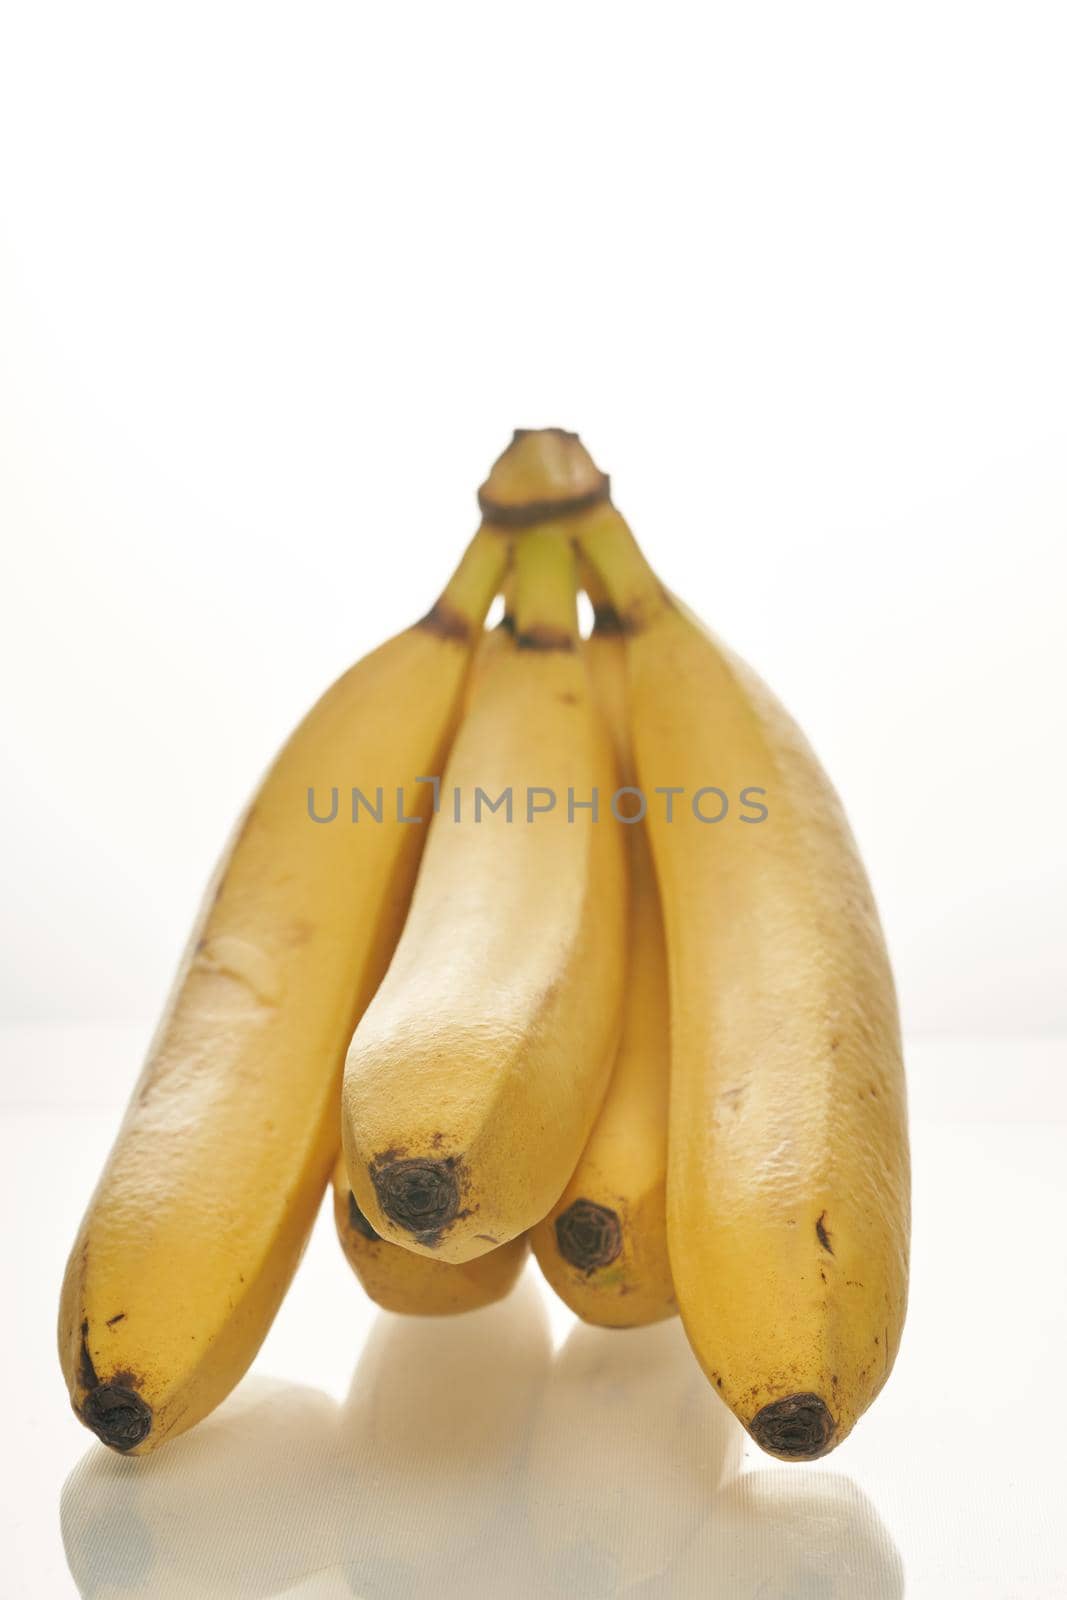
pixel 824 1237
pixel 798 1428
pixel 86 1371
pixel 418 1195
pixel 111 1321
pixel 588 1236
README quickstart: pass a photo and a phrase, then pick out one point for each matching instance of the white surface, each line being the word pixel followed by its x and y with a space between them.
pixel 276 282
pixel 392 1458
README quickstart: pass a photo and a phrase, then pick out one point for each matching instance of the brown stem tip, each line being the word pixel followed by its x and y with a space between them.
pixel 543 473
pixel 118 1416
pixel 545 638
pixel 446 622
pixel 607 621
pixel 421 1196
pixel 588 1236
pixel 798 1428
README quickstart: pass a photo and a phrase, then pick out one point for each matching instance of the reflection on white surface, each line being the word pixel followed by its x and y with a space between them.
pixel 467 1461
pixel 788 1534
pixel 626 1454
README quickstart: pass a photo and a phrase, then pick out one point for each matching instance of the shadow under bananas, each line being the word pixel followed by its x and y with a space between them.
pixel 467 1461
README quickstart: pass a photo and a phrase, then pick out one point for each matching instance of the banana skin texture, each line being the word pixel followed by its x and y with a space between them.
pixel 788 1173
pixel 399 1280
pixel 210 1190
pixel 603 1246
pixel 476 1074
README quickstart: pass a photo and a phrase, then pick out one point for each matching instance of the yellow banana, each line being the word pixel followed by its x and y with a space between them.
pixel 399 1280
pixel 788 1185
pixel 209 1192
pixel 603 1246
pixel 476 1074
pixel 484 651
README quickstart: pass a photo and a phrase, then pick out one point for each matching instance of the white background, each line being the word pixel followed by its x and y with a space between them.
pixel 277 282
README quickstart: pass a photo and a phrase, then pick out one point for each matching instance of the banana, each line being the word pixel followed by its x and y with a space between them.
pixel 788 1179
pixel 603 1246
pixel 476 1074
pixel 399 1280
pixel 209 1192
pixel 484 651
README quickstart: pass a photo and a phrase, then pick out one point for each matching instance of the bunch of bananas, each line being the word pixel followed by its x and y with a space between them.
pixel 631 1005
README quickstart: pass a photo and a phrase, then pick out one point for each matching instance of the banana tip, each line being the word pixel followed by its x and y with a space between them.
pixel 419 1195
pixel 798 1428
pixel 117 1415
pixel 588 1235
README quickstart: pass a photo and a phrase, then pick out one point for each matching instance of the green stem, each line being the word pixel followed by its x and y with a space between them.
pixel 470 590
pixel 616 559
pixel 546 582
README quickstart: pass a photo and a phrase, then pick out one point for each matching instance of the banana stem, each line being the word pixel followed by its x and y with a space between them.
pixel 605 617
pixel 545 590
pixel 507 621
pixel 621 578
pixel 461 607
pixel 593 584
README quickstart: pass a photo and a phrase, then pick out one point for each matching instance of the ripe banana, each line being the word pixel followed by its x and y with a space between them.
pixel 788 1185
pixel 212 1185
pixel 399 1280
pixel 476 1074
pixel 603 1246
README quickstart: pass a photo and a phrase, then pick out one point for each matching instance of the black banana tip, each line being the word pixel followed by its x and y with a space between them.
pixel 588 1236
pixel 418 1195
pixel 117 1415
pixel 798 1428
